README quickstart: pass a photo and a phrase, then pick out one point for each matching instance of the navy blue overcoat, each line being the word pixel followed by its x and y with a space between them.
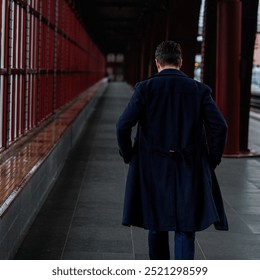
pixel 171 184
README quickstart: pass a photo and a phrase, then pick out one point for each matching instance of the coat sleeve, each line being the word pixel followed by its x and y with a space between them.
pixel 128 119
pixel 217 127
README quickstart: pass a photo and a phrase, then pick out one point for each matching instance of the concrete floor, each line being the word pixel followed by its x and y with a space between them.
pixel 81 218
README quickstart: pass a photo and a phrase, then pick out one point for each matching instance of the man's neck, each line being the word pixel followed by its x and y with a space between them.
pixel 168 67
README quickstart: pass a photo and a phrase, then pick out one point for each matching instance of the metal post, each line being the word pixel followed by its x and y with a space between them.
pixel 229 16
pixel 56 15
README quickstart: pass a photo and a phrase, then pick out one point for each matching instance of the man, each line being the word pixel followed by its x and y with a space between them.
pixel 171 184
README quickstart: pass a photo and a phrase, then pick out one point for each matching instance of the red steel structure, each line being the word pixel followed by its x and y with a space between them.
pixel 46 60
pixel 228 68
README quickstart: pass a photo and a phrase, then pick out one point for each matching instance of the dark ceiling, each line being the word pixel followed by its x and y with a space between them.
pixel 117 24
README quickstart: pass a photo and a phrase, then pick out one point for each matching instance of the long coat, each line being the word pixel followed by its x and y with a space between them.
pixel 171 184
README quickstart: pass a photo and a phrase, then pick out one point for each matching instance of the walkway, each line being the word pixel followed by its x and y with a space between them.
pixel 81 218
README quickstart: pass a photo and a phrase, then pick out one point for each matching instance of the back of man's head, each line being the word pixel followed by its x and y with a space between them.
pixel 168 53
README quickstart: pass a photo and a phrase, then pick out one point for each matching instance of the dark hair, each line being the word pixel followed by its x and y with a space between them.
pixel 168 53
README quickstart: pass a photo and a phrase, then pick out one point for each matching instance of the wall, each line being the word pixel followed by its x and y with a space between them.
pixel 46 59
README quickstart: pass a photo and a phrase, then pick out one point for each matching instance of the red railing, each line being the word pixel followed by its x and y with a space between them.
pixel 46 60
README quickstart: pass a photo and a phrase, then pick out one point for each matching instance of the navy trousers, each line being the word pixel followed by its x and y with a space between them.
pixel 184 245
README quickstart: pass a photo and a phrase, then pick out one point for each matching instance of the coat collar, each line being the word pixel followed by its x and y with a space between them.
pixel 171 71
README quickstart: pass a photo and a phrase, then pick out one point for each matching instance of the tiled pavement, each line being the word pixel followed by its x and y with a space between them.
pixel 81 218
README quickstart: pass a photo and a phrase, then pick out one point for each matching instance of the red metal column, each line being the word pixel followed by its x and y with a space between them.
pixel 229 17
pixel 4 57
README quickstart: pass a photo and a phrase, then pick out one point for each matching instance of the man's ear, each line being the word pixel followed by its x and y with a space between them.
pixel 158 65
pixel 180 64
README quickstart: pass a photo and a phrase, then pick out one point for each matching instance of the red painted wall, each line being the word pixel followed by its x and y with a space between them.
pixel 46 59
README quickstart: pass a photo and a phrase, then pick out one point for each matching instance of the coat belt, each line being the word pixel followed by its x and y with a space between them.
pixel 179 154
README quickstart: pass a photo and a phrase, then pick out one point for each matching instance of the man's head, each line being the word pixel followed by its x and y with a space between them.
pixel 168 55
